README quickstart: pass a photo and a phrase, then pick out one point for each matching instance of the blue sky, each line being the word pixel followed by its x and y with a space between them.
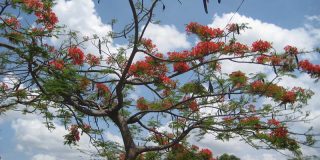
pixel 294 22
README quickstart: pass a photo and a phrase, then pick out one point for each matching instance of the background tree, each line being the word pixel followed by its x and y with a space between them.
pixel 88 92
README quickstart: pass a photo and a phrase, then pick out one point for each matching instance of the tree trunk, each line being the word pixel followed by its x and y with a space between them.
pixel 129 145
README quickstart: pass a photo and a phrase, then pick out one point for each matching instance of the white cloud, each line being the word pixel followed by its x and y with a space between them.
pixel 167 37
pixel 80 15
pixel 34 137
pixel 43 157
pixel 114 138
pixel 300 37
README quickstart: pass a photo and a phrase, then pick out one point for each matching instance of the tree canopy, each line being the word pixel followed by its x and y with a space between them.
pixel 184 91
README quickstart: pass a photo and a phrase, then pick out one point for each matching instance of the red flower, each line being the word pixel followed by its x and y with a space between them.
pixel 58 64
pixel 103 89
pixel 180 67
pixel 13 22
pixel 33 4
pixel 291 50
pixel 262 59
pixel 204 48
pixel 260 46
pixel 92 60
pixel 147 43
pixel 142 104
pixel 275 60
pixel 309 67
pixel 280 132
pixel 289 97
pixel 232 27
pixel 237 48
pixel 75 132
pixel 76 55
pixel 273 122
pixel 194 106
pixel 238 78
pixel 204 32
pixel 206 153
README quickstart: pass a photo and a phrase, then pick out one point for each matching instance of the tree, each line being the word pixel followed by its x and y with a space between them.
pixel 89 92
pixel 228 157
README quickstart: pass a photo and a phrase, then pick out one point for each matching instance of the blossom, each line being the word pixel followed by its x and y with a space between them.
pixel 237 48
pixel 206 153
pixel 76 55
pixel 57 64
pixel 238 78
pixel 142 104
pixel 13 22
pixel 204 48
pixel 261 46
pixel 180 67
pixel 92 60
pixel 33 4
pixel 262 59
pixel 75 132
pixel 309 67
pixel 147 43
pixel 102 88
pixel 194 106
pixel 279 132
pixel 232 27
pixel 291 50
pixel 273 122
pixel 204 32
pixel 289 97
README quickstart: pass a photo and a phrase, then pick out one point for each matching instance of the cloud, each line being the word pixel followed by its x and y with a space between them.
pixel 167 37
pixel 300 37
pixel 34 138
pixel 80 15
pixel 42 157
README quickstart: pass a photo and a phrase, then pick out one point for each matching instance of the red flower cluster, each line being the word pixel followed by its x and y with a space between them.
pixel 33 4
pixel 44 14
pixel 250 120
pixel 309 67
pixel 204 32
pixel 147 43
pixel 102 88
pixel 13 22
pixel 142 104
pixel 57 64
pixel 92 60
pixel 261 46
pixel 273 122
pixel 232 27
pixel 275 60
pixel 76 55
pixel 181 67
pixel 194 106
pixel 205 48
pixel 75 132
pixel 280 132
pixel 291 50
pixel 289 97
pixel 262 59
pixel 228 119
pixel 149 67
pixel 274 91
pixel 48 18
pixel 238 78
pixel 237 48
pixel 206 153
